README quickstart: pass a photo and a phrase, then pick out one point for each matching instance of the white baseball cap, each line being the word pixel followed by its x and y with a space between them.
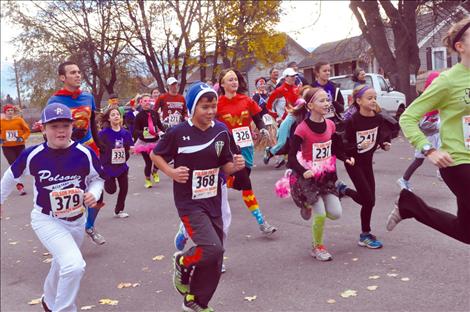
pixel 289 72
pixel 171 81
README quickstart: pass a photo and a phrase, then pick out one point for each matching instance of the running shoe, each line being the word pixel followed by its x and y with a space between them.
pixel 267 229
pixel 267 155
pixel 370 241
pixel 191 305
pixel 319 252
pixel 404 184
pixel 148 183
pixel 393 218
pixel 341 188
pixel 44 305
pixel 181 238
pixel 180 275
pixel 121 214
pixel 280 163
pixel 306 213
pixel 20 189
pixel 156 177
pixel 95 236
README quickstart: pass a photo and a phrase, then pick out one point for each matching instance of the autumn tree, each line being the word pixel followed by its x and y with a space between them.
pixel 399 57
pixel 86 32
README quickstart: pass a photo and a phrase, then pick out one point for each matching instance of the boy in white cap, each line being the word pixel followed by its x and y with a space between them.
pixel 67 177
pixel 171 105
pixel 200 147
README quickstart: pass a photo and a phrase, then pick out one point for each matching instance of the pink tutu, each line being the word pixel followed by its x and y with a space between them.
pixel 282 186
pixel 144 147
pixel 318 168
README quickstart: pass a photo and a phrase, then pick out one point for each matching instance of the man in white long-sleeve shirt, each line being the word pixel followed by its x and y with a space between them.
pixel 67 177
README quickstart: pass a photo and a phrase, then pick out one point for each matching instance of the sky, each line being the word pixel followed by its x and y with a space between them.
pixel 310 23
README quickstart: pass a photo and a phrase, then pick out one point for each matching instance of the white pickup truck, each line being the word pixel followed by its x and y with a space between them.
pixel 392 101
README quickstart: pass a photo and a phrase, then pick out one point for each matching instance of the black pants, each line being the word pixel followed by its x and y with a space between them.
pixel 457 179
pixel 242 180
pixel 111 187
pixel 148 164
pixel 362 176
pixel 205 259
pixel 417 162
pixel 11 153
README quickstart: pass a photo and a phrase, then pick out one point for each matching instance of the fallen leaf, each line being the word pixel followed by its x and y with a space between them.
pixel 159 291
pixel 45 254
pixel 374 277
pixel 250 299
pixel 248 236
pixel 13 243
pixel 405 279
pixel 35 251
pixel 18 261
pixel 48 260
pixel 35 301
pixel 331 301
pixel 146 269
pixel 136 194
pixel 124 285
pixel 393 257
pixel 355 259
pixel 392 274
pixel 158 258
pixel 371 288
pixel 349 293
pixel 108 301
pixel 7 218
pixel 225 258
pixel 135 285
pixel 87 307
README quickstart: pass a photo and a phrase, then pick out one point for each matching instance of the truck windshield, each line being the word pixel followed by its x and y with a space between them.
pixel 345 83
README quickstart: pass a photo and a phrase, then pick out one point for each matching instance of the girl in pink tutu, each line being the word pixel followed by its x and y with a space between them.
pixel 146 129
pixel 313 151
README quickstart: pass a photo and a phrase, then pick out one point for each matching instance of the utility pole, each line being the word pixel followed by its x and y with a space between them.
pixel 17 84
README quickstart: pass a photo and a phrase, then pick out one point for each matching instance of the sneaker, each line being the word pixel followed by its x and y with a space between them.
pixel 148 183
pixel 121 214
pixel 44 305
pixel 224 269
pixel 180 275
pixel 341 188
pixel 404 184
pixel 393 218
pixel 267 155
pixel 280 163
pixel 95 236
pixel 306 213
pixel 20 189
pixel 181 238
pixel 191 305
pixel 156 177
pixel 321 254
pixel 370 241
pixel 267 229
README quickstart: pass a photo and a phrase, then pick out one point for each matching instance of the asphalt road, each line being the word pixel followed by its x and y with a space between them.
pixel 418 269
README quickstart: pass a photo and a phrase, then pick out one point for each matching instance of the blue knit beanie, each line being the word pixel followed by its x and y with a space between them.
pixel 194 94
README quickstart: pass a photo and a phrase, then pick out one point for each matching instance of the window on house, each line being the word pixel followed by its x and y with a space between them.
pixel 439 58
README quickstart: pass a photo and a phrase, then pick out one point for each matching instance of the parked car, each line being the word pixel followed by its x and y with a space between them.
pixel 392 101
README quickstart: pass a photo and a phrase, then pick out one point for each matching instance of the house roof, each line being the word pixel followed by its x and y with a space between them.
pixel 340 51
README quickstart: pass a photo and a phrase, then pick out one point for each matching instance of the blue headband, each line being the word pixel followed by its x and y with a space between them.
pixel 361 92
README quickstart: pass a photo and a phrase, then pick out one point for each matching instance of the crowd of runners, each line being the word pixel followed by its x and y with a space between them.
pixel 205 142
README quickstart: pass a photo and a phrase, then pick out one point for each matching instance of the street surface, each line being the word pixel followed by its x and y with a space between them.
pixel 418 269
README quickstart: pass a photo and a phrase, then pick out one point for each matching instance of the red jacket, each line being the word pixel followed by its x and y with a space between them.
pixel 289 92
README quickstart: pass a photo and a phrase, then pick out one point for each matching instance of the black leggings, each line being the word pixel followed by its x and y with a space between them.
pixel 148 164
pixel 110 187
pixel 457 226
pixel 362 176
pixel 417 162
pixel 12 152
pixel 242 180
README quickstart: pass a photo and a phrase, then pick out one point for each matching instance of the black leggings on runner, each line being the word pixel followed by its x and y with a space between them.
pixel 362 176
pixel 12 152
pixel 148 164
pixel 110 187
pixel 457 226
pixel 417 162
